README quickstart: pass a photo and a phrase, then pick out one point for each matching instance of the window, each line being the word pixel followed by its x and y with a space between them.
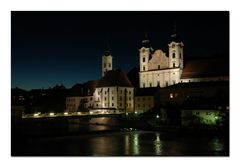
pixel 91 98
pixel 197 113
pixel 173 64
pixel 120 97
pixel 112 104
pixel 144 85
pixel 129 98
pixel 158 83
pixel 143 68
pixel 173 55
pixel 129 104
pixel 144 59
pixel 158 66
pixel 120 91
pixel 109 65
pixel 120 104
pixel 129 92
pixel 105 98
pixel 112 98
pixel 166 83
pixel 97 105
pixel 150 84
pixel 143 98
pixel 105 92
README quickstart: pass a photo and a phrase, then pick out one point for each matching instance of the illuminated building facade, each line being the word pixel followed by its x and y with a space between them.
pixel 159 69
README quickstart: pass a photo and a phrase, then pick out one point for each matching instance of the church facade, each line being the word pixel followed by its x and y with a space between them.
pixel 160 69
pixel 157 69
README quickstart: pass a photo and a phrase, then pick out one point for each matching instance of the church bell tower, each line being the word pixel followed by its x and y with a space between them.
pixel 106 62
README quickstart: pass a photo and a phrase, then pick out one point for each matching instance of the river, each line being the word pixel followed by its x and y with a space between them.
pixel 125 143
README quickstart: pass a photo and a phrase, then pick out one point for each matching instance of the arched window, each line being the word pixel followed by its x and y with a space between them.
pixel 173 55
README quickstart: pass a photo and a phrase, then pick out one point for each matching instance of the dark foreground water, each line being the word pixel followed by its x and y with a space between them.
pixel 135 143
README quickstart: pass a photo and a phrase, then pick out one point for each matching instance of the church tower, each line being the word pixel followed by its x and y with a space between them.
pixel 145 52
pixel 106 62
pixel 175 52
pixel 144 56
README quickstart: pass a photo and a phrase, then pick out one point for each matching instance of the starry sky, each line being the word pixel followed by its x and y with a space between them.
pixel 65 47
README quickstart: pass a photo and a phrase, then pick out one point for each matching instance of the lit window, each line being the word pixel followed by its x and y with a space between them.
pixel 171 95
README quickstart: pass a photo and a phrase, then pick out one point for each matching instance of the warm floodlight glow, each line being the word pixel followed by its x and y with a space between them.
pixel 66 113
pixel 157 116
pixel 36 114
pixel 51 114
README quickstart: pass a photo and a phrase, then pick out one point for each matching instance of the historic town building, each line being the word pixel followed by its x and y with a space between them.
pixel 112 93
pixel 159 69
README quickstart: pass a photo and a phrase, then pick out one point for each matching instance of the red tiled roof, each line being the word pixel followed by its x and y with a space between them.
pixel 206 68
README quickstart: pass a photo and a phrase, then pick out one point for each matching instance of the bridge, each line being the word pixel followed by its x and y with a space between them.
pixel 91 113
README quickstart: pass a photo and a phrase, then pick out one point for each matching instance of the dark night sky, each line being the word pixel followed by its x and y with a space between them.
pixel 50 48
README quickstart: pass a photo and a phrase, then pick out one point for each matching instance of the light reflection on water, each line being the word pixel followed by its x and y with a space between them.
pixel 126 143
pixel 158 145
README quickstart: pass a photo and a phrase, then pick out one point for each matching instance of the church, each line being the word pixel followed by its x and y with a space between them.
pixel 159 69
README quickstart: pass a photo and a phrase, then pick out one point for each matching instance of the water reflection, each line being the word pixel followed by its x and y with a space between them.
pixel 125 144
pixel 158 145
pixel 136 146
